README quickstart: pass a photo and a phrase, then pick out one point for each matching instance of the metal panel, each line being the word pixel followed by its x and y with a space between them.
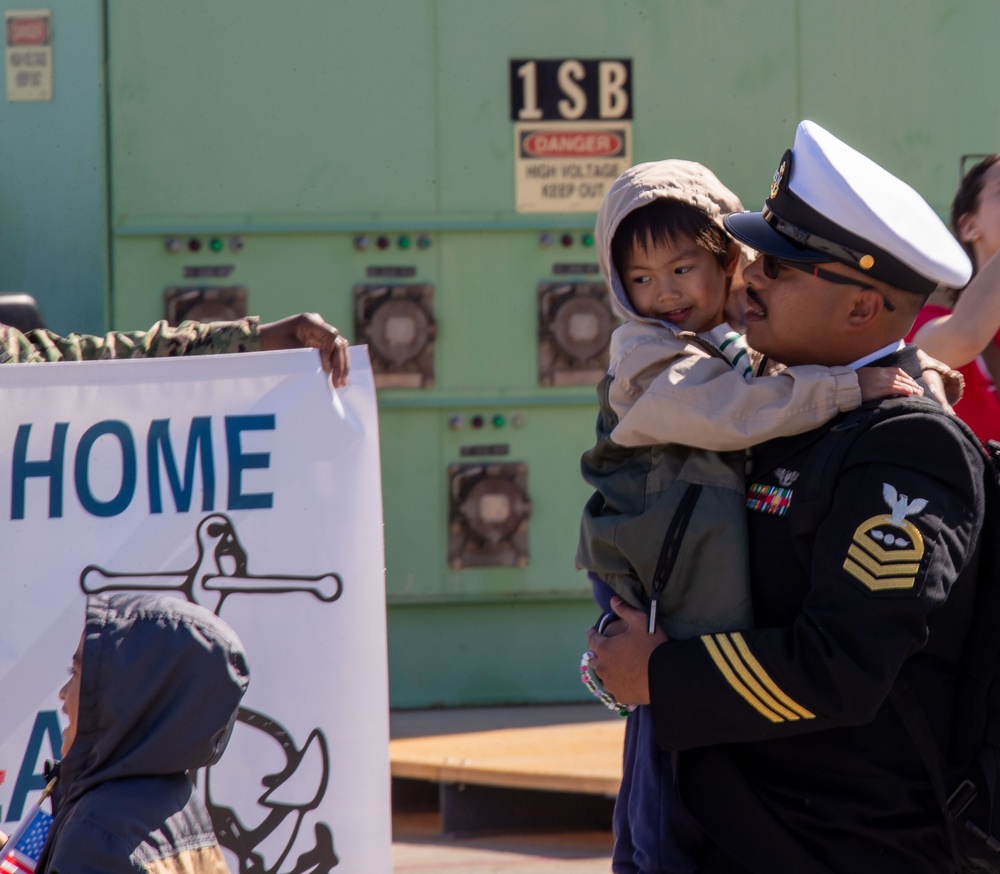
pixel 270 112
pixel 53 221
pixel 708 84
pixel 301 127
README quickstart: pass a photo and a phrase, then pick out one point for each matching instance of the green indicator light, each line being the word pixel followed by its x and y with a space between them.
pixel 499 421
pixel 404 242
pixel 587 240
pixel 215 245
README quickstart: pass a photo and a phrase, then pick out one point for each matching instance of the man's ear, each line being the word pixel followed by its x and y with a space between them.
pixel 866 305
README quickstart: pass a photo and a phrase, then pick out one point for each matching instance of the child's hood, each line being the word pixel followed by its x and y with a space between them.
pixel 160 685
pixel 685 181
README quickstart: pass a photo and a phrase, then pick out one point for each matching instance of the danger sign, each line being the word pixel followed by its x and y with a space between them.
pixel 561 144
pixel 29 54
pixel 567 167
pixel 572 131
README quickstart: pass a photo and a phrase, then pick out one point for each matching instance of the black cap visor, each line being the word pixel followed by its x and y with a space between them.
pixel 752 228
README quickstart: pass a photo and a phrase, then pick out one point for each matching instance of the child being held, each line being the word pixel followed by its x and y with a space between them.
pixel 666 527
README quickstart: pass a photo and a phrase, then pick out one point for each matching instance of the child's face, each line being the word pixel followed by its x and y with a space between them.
pixel 70 697
pixel 678 282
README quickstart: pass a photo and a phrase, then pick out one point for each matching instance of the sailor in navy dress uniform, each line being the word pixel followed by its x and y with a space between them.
pixel 790 755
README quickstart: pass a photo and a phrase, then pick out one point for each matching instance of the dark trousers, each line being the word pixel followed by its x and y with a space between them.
pixel 654 834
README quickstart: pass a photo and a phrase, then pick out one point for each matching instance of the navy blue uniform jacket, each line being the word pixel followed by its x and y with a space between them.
pixel 792 758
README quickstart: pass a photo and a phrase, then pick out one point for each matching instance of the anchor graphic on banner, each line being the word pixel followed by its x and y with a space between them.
pixel 220 570
pixel 244 840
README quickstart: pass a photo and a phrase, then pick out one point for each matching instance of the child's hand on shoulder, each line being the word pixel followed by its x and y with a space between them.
pixel 886 382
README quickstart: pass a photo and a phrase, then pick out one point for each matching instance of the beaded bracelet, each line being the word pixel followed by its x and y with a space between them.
pixel 591 681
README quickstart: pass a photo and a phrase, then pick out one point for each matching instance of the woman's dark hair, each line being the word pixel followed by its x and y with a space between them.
pixel 666 220
pixel 967 197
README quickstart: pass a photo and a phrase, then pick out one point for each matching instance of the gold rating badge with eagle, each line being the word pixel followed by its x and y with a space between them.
pixel 886 550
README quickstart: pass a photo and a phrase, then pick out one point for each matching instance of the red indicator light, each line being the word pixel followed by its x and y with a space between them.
pixel 194 245
pixel 383 243
pixel 566 240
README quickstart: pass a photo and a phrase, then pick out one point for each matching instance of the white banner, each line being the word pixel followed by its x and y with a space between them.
pixel 126 474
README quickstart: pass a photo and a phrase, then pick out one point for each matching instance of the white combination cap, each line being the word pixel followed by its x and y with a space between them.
pixel 830 203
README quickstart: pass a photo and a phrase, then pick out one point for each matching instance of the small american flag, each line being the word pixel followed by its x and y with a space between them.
pixel 20 853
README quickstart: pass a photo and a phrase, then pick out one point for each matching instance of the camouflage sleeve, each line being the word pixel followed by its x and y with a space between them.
pixel 160 341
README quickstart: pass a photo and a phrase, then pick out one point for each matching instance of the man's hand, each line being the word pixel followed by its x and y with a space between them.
pixel 621 657
pixel 309 330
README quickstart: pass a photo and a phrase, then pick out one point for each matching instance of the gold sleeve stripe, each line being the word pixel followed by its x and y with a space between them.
pixel 743 670
pixel 765 678
pixel 736 683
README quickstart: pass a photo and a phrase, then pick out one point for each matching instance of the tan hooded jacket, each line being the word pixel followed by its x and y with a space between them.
pixel 674 414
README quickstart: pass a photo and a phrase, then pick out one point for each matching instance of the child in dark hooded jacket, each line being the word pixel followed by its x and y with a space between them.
pixel 153 694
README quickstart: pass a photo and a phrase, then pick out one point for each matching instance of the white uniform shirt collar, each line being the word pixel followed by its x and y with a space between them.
pixel 895 346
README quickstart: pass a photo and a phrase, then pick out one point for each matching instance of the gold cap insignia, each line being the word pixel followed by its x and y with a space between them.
pixel 866 262
pixel 776 182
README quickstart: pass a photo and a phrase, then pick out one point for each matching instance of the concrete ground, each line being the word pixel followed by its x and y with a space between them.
pixel 418 847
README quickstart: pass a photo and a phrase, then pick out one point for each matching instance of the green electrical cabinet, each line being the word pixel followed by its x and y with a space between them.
pixel 425 174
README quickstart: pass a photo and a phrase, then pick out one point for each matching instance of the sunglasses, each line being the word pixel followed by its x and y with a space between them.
pixel 771 264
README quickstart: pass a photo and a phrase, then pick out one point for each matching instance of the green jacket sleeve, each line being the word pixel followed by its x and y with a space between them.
pixel 160 341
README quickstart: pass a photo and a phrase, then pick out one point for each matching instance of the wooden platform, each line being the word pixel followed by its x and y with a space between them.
pixel 581 757
pixel 490 764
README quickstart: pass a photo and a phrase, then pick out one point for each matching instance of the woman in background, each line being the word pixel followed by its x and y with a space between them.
pixel 962 329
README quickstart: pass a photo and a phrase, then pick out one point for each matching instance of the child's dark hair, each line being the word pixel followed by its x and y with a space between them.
pixel 967 197
pixel 666 220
